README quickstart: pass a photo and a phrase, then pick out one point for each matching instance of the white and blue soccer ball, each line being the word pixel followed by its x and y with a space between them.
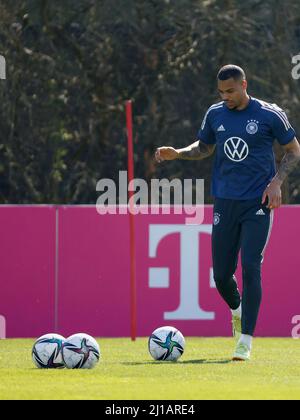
pixel 166 343
pixel 80 351
pixel 47 351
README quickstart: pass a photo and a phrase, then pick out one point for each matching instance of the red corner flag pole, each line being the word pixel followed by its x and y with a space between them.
pixel 131 220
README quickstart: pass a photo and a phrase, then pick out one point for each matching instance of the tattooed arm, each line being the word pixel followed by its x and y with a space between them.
pixel 289 161
pixel 286 166
pixel 195 151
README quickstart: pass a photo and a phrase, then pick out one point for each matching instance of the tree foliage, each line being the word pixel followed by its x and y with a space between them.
pixel 72 64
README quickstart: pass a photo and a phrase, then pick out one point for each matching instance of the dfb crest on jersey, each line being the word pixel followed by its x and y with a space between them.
pixel 252 127
pixel 216 218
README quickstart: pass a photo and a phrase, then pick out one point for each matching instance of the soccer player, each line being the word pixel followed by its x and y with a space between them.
pixel 246 190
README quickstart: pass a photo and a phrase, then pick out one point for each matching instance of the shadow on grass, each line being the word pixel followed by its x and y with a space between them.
pixel 183 362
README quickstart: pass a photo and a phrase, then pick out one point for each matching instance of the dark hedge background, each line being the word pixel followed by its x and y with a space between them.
pixel 72 64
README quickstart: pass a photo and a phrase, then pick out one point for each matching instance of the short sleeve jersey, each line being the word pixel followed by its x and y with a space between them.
pixel 244 162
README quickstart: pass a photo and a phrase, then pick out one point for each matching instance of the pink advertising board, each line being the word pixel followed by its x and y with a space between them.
pixel 66 269
pixel 27 270
pixel 93 279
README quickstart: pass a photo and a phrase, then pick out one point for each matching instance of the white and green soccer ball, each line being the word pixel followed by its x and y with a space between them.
pixel 47 352
pixel 80 351
pixel 166 343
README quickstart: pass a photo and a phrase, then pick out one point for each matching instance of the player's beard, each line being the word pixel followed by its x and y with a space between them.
pixel 232 108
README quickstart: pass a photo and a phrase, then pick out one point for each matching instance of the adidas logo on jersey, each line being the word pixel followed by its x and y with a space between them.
pixel 221 128
pixel 260 213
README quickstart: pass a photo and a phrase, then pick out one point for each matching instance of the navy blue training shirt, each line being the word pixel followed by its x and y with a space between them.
pixel 244 162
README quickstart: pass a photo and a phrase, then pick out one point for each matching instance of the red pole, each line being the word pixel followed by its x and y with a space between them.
pixel 131 221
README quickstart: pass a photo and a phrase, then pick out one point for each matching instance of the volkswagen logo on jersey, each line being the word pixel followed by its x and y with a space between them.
pixel 236 149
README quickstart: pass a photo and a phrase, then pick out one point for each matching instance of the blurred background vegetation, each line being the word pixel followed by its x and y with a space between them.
pixel 71 64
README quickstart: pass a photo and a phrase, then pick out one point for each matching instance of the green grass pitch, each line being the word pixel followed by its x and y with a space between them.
pixel 126 371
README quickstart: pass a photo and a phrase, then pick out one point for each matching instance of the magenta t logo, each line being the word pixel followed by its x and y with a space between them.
pixel 190 294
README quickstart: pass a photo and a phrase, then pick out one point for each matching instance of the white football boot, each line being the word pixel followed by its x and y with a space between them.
pixel 242 353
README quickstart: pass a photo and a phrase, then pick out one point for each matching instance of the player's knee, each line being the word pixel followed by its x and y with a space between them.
pixel 251 266
pixel 222 280
pixel 251 272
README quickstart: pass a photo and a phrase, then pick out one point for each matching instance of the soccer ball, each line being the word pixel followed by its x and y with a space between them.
pixel 47 352
pixel 166 343
pixel 80 351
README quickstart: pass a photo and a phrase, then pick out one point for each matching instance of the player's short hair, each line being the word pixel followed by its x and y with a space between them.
pixel 231 71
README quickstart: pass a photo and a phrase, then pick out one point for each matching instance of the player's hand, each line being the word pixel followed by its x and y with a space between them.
pixel 166 153
pixel 273 193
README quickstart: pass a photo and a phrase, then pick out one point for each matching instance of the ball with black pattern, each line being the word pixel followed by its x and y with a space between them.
pixel 47 352
pixel 166 344
pixel 80 351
